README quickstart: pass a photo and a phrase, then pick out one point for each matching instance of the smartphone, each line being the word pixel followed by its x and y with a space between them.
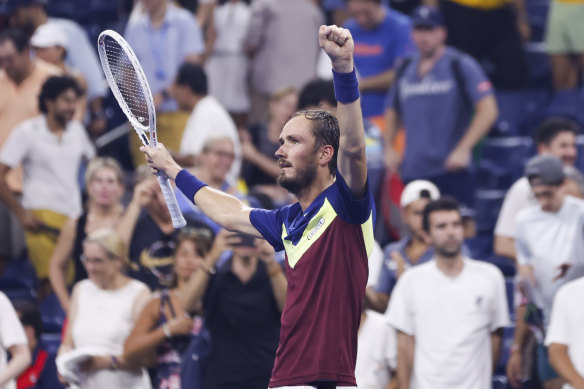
pixel 246 240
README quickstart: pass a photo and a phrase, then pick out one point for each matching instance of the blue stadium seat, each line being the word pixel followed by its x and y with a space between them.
pixel 19 281
pixel 519 111
pixel 480 247
pixel 502 161
pixel 487 206
pixel 580 145
pixel 51 342
pixel 569 103
pixel 21 294
pixel 52 314
pixel 18 274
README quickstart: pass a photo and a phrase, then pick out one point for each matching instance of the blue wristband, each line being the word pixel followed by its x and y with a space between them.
pixel 346 87
pixel 188 184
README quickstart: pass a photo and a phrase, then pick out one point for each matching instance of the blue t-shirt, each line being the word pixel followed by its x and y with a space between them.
pixel 434 112
pixel 387 275
pixel 376 51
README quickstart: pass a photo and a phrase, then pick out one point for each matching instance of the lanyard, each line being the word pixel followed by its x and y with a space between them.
pixel 157 43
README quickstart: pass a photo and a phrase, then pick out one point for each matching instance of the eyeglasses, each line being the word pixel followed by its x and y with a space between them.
pixel 221 154
pixel 95 261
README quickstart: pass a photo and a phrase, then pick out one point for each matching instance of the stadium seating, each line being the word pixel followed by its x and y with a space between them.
pixel 502 161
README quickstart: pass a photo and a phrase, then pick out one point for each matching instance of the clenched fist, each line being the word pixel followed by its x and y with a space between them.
pixel 337 43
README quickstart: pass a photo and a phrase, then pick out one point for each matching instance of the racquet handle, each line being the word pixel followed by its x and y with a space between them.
pixel 178 220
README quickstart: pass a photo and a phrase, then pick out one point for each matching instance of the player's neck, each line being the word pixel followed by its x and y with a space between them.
pixel 103 211
pixel 416 248
pixel 244 267
pixel 307 196
pixel 451 267
pixel 157 14
pixel 163 221
pixel 434 56
pixel 22 76
pixel 55 126
pixel 192 102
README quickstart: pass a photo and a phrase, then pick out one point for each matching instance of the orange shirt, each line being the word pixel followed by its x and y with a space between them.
pixel 21 102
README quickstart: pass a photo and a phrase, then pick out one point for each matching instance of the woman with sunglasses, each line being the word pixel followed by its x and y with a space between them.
pixel 102 313
pixel 164 328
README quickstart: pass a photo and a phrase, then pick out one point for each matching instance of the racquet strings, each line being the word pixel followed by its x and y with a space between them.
pixel 127 81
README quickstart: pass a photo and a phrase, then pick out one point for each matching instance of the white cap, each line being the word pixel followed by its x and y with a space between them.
pixel 415 191
pixel 48 35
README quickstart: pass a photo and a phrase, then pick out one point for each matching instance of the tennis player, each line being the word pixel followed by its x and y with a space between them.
pixel 327 234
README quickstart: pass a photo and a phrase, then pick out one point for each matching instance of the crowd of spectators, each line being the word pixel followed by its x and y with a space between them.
pixel 97 288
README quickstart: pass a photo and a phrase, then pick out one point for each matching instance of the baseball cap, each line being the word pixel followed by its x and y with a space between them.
pixel 427 16
pixel 545 169
pixel 418 189
pixel 48 35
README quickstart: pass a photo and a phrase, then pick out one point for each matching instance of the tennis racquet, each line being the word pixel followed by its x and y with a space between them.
pixel 129 85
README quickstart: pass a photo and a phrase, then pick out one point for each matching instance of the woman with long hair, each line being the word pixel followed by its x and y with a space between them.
pixel 164 327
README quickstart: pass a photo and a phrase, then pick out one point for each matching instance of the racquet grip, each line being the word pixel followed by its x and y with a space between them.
pixel 178 220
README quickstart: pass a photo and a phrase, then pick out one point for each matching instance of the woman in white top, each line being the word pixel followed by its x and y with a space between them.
pixel 102 313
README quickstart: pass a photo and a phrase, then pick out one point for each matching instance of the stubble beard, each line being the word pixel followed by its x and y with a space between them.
pixel 301 182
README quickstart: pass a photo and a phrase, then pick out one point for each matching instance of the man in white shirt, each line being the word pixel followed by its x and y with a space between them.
pixel 208 118
pixel 449 312
pixel 550 244
pixel 555 136
pixel 13 340
pixel 50 148
pixel 565 339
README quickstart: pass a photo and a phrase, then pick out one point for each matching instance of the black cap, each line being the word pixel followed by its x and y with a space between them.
pixel 545 169
pixel 427 16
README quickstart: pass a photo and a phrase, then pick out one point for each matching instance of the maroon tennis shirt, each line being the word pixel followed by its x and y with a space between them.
pixel 327 248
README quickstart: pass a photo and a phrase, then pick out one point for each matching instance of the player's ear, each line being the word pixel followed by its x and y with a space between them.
pixel 326 154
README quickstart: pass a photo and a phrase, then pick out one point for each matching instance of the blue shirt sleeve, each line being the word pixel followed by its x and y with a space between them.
pixel 352 210
pixel 193 44
pixel 477 83
pixel 387 277
pixel 403 43
pixel 269 224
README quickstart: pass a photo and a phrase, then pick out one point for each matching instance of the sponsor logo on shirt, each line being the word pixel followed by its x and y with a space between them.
pixel 428 86
pixel 316 228
pixel 478 301
pixel 366 50
pixel 484 86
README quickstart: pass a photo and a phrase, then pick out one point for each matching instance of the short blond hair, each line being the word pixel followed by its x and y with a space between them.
pixel 111 242
pixel 100 163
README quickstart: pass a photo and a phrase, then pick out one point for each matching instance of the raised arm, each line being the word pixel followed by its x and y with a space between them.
pixel 226 210
pixel 338 45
